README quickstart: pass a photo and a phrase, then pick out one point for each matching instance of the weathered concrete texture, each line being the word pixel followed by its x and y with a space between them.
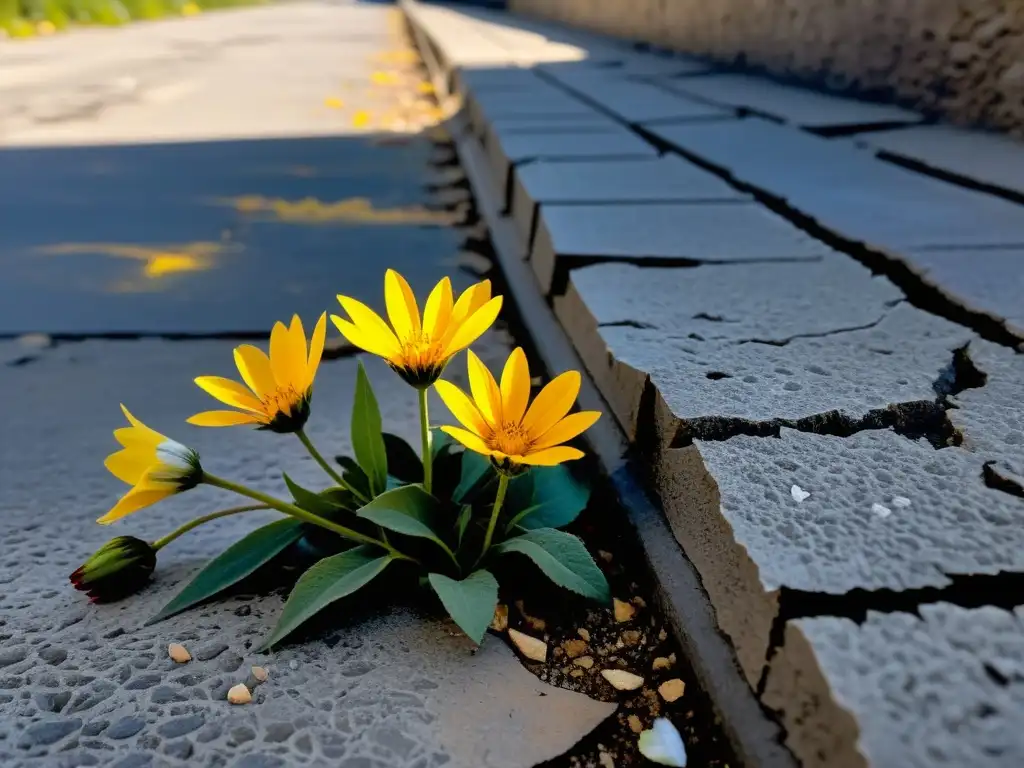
pixel 884 512
pixel 984 158
pixel 715 232
pixel 612 143
pixel 792 104
pixel 847 190
pixel 662 179
pixel 990 417
pixel 388 690
pixel 635 101
pixel 960 58
pixel 541 100
pixel 941 689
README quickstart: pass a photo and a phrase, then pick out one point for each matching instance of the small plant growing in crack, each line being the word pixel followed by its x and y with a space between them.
pixel 440 518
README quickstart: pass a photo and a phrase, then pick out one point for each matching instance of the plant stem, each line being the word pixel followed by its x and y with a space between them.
pixel 164 541
pixel 428 459
pixel 318 457
pixel 302 514
pixel 495 511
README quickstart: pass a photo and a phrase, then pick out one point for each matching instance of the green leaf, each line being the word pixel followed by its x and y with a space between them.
pixel 476 472
pixel 465 515
pixel 403 461
pixel 367 438
pixel 310 501
pixel 331 579
pixel 470 602
pixel 408 510
pixel 233 564
pixel 558 498
pixel 440 442
pixel 353 474
pixel 563 559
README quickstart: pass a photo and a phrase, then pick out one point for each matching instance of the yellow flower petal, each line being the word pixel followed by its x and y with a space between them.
pixel 471 300
pixel 254 365
pixel 515 386
pixel 462 407
pixel 280 342
pixel 474 326
pixel 356 336
pixel 468 439
pixel 316 347
pixel 229 392
pixel 550 457
pixel 133 501
pixel 553 402
pixel 485 390
pixel 223 419
pixel 372 327
pixel 298 356
pixel 129 466
pixel 401 306
pixel 144 433
pixel 438 310
pixel 565 430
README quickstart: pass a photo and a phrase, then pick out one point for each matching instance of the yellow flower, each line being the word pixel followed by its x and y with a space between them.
pixel 281 385
pixel 418 350
pixel 155 466
pixel 499 425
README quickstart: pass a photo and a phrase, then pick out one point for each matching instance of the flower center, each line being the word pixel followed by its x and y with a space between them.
pixel 421 351
pixel 281 400
pixel 511 439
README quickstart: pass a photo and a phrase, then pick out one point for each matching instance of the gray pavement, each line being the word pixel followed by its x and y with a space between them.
pixel 173 213
pixel 823 373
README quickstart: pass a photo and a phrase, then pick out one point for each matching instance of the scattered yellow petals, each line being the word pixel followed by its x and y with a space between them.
pixel 425 87
pixel 333 102
pixel 383 78
pixel 360 119
pixel 190 9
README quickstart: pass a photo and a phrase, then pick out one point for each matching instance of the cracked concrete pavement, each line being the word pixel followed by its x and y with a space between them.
pixel 814 339
pixel 150 225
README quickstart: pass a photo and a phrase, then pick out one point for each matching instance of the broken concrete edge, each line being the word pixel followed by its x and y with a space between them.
pixel 755 737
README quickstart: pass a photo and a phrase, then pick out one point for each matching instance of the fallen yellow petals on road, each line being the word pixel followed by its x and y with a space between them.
pixel 333 102
pixel 357 210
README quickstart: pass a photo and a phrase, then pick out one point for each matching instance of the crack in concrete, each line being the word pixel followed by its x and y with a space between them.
pixel 817 335
pixel 628 324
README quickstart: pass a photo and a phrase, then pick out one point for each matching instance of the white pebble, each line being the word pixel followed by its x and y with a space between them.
pixel 880 510
pixel 621 680
pixel 239 694
pixel 798 493
pixel 900 502
pixel 530 647
pixel 663 745
pixel 293 664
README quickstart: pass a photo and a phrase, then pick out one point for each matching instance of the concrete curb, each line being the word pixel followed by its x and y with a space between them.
pixel 754 736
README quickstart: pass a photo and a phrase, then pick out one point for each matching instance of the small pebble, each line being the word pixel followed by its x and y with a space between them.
pixel 634 724
pixel 663 636
pixel 631 637
pixel 623 611
pixel 798 493
pixel 606 760
pixel 583 633
pixel 606 556
pixel 576 673
pixel 900 502
pixel 293 664
pixel 239 694
pixel 574 648
pixel 621 680
pixel 662 662
pixel 500 621
pixel 639 602
pixel 671 690
pixel 179 653
pixel 584 661
pixel 260 673
pixel 530 647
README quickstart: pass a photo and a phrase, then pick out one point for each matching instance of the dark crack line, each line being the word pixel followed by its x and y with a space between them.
pixel 950 177
pixel 999 482
pixel 820 335
pixel 627 324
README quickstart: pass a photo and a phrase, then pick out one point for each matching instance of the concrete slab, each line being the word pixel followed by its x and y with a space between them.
pixel 669 233
pixel 605 144
pixel 573 124
pixel 390 688
pixel 800 106
pixel 542 100
pixel 637 101
pixel 465 80
pixel 848 191
pixel 989 280
pixel 989 416
pixel 984 158
pixel 941 689
pixel 662 179
pixel 883 512
pixel 633 65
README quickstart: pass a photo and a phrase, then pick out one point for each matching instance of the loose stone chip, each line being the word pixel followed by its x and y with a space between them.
pixel 500 621
pixel 179 653
pixel 634 724
pixel 260 673
pixel 623 611
pixel 671 690
pixel 530 647
pixel 239 694
pixel 621 680
pixel 584 633
pixel 662 662
pixel 584 661
pixel 574 648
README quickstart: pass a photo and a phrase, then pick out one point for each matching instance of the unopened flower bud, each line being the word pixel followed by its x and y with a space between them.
pixel 119 568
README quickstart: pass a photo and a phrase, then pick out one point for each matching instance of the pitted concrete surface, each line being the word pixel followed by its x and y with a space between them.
pixel 949 680
pixel 836 449
pixel 790 104
pixel 89 685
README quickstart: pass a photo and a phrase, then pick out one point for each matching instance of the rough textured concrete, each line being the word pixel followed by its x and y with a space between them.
pixel 940 689
pixel 953 56
pixel 716 232
pixel 791 104
pixel 730 505
pixel 984 158
pixel 654 180
pixel 541 100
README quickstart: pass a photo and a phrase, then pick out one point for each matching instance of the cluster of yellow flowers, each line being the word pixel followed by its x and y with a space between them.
pixel 496 421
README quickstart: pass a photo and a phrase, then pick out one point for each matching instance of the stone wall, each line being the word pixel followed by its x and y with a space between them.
pixel 960 58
